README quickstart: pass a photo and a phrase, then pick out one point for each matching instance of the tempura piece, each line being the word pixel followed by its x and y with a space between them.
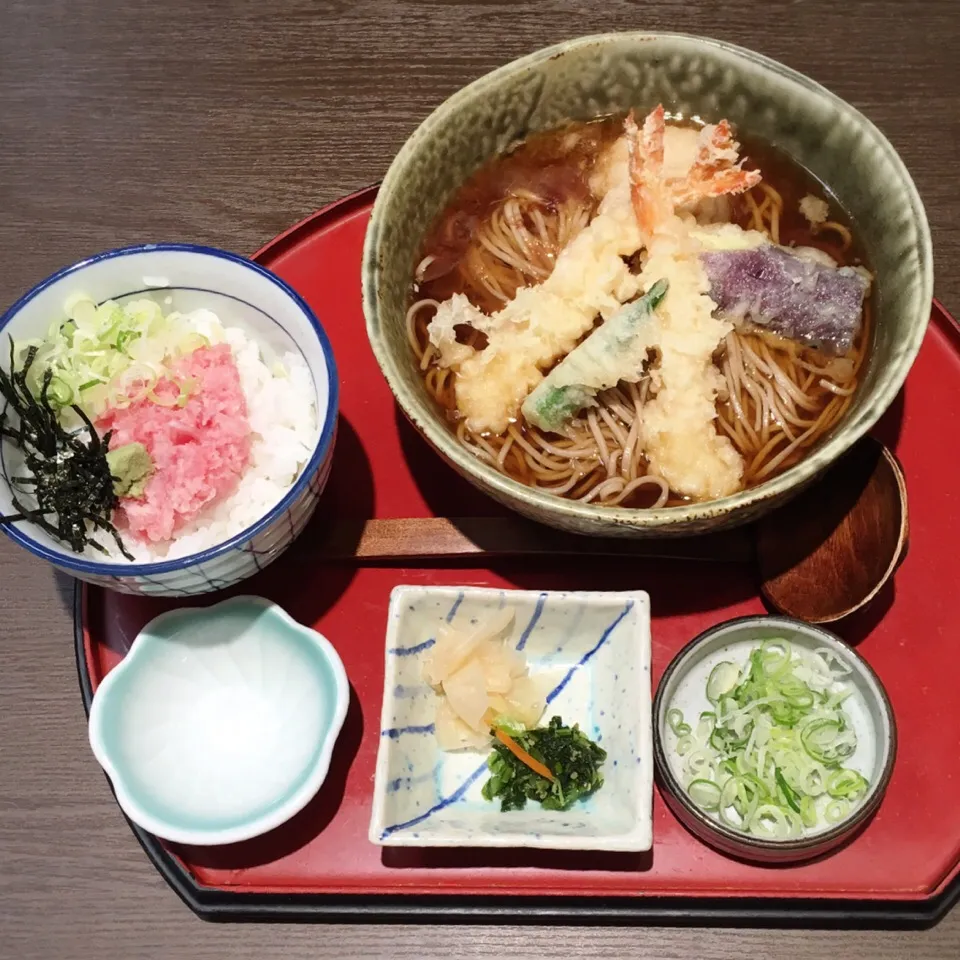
pixel 457 311
pixel 678 425
pixel 616 351
pixel 792 296
pixel 678 429
pixel 815 210
pixel 545 322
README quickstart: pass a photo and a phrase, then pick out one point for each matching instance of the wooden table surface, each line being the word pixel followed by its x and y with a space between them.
pixel 222 123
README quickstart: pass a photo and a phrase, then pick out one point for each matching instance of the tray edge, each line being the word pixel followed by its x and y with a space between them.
pixel 218 905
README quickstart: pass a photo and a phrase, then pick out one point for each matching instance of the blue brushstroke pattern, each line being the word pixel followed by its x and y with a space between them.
pixel 394 733
pixel 552 695
pixel 528 629
pixel 455 607
pixel 409 691
pixel 401 783
pixel 412 651
pixel 557 690
pixel 430 641
pixel 437 807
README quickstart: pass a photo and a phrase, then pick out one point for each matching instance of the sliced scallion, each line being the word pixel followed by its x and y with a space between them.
pixel 768 758
pixel 723 678
pixel 675 719
pixel 705 794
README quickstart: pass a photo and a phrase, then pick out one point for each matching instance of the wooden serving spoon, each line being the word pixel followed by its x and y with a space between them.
pixel 830 551
pixel 824 555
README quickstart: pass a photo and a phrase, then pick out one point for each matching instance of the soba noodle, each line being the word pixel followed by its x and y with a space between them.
pixel 782 398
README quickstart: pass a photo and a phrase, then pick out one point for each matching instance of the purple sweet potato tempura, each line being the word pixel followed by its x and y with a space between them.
pixel 791 296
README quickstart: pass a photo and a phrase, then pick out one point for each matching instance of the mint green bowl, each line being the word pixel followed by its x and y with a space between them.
pixel 220 723
pixel 593 76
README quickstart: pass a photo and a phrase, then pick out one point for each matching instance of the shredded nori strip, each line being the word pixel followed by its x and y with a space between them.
pixel 69 474
pixel 572 758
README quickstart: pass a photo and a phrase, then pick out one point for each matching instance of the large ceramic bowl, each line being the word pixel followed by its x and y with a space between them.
pixel 242 294
pixel 608 74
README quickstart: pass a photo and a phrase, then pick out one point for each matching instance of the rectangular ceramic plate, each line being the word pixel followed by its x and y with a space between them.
pixel 593 651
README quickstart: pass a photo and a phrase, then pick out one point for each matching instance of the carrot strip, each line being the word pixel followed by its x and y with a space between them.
pixel 535 765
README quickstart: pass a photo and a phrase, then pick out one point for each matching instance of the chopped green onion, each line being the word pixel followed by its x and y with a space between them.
pixel 789 794
pixel 846 785
pixel 826 742
pixel 124 349
pixel 729 766
pixel 743 797
pixel 706 724
pixel 770 822
pixel 836 810
pixel 808 811
pixel 723 678
pixel 675 719
pixel 705 794
pixel 59 392
pixel 775 657
pixel 768 757
pixel 700 765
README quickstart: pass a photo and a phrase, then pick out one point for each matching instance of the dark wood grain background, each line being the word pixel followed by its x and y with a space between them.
pixel 222 123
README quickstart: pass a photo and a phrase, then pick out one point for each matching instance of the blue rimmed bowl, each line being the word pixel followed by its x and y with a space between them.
pixel 186 277
pixel 220 723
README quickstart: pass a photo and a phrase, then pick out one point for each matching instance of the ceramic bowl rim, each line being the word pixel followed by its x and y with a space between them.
pixel 321 449
pixel 746 843
pixel 249 828
pixel 643 822
pixel 416 407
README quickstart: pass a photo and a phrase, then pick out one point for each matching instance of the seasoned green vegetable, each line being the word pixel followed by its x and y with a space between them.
pixel 572 759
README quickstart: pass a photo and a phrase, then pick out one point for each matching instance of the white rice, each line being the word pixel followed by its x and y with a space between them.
pixel 281 407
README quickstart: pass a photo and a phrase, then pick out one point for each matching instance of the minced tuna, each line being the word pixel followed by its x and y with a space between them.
pixel 199 450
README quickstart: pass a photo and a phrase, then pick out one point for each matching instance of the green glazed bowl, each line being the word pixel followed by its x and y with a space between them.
pixel 593 76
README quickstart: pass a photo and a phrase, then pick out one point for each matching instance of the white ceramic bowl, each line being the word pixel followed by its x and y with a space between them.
pixel 595 648
pixel 220 723
pixel 683 687
pixel 244 294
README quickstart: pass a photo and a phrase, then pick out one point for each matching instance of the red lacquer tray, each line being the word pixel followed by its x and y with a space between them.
pixel 905 868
